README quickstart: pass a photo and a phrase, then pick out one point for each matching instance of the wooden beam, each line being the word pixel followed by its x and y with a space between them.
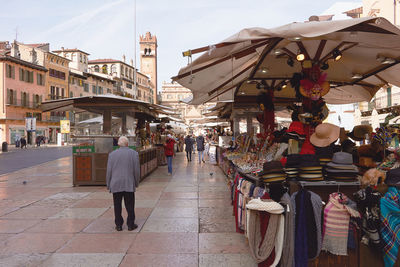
pixel 272 44
pixel 327 56
pixel 319 50
pixel 303 49
pixel 231 79
pixel 218 61
pixel 381 79
pixel 377 70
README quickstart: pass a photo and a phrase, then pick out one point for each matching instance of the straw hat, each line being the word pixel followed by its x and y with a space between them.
pixel 325 134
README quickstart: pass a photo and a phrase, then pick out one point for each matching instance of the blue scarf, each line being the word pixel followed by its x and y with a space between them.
pixel 390 217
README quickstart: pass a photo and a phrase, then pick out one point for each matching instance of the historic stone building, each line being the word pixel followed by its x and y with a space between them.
pixel 172 95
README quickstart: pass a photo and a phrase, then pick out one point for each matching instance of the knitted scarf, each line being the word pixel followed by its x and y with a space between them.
pixel 288 250
pixel 336 224
pixel 390 228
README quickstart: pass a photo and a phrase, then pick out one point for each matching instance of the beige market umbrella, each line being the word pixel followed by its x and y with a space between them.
pixel 257 58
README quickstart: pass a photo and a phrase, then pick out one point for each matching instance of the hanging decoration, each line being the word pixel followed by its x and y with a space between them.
pixel 314 84
pixel 266 102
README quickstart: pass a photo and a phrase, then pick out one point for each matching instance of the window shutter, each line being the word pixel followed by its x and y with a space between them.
pixel 14 97
pixel 13 72
pixel 8 70
pixel 8 96
pixel 22 98
pixel 21 74
pixel 27 100
pixel 40 99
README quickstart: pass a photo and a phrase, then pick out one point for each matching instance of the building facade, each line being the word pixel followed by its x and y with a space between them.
pixel 23 88
pixel 124 76
pixel 172 95
pixel 148 61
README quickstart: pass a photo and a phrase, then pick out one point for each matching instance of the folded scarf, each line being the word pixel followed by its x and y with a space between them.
pixel 390 228
pixel 336 224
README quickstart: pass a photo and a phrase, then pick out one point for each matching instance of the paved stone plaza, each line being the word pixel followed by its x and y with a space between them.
pixel 184 220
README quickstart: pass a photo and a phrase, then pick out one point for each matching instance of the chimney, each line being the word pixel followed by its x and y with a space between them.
pixel 123 58
pixel 132 63
pixel 15 50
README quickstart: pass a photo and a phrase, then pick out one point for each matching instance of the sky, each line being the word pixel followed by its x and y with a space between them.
pixel 105 28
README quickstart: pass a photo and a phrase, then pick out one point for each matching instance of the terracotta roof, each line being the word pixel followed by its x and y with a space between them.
pixel 71 50
pixel 104 60
pixel 325 17
pixel 22 62
pixel 354 13
pixel 37 45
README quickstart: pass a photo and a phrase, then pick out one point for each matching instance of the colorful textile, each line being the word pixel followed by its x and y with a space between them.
pixel 390 231
pixel 336 224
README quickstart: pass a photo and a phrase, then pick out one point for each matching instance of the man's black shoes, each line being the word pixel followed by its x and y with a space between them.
pixel 118 228
pixel 131 228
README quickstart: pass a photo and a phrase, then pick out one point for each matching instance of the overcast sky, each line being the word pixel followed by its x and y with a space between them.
pixel 105 28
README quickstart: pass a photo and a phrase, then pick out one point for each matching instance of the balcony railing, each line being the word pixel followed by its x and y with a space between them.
pixel 23 103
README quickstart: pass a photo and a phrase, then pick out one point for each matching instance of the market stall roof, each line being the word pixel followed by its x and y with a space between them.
pixel 96 120
pixel 99 103
pixel 255 59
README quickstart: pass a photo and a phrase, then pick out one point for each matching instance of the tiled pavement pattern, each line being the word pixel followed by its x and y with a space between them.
pixel 184 220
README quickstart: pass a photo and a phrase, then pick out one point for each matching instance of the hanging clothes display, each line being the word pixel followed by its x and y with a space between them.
pixel 261 248
pixel 288 248
pixel 390 231
pixel 336 223
pixel 307 207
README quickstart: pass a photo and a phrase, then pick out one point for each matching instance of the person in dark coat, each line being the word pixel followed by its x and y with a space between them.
pixel 189 147
pixel 200 147
pixel 23 142
pixel 123 175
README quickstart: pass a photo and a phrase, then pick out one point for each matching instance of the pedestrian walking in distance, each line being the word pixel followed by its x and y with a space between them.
pixel 200 147
pixel 169 152
pixel 23 142
pixel 123 174
pixel 189 147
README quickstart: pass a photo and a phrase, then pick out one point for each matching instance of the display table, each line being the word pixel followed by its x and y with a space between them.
pixel 90 168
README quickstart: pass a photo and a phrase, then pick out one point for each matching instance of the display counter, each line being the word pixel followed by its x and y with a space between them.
pixel 91 156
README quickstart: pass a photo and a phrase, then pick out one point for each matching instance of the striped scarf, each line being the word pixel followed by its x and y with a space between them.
pixel 390 228
pixel 336 224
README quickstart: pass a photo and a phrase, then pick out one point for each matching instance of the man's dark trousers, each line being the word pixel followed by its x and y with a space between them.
pixel 129 199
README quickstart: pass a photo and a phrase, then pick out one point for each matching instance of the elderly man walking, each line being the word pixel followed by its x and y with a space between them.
pixel 123 174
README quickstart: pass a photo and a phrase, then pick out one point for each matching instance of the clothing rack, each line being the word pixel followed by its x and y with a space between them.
pixel 327 183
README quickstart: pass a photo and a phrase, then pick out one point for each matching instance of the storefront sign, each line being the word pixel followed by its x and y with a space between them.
pixel 30 124
pixel 82 149
pixel 65 126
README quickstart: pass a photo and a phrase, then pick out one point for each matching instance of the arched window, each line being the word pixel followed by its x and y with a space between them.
pixel 131 74
pixel 122 71
pixel 126 71
pixel 113 68
pixel 80 57
pixel 96 68
pixel 104 69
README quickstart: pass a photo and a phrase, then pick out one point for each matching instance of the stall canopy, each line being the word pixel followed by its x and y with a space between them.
pixel 257 58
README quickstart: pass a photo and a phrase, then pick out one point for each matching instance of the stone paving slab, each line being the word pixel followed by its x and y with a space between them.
pixel 184 220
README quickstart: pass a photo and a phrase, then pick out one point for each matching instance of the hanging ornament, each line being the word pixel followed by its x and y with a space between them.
pixel 314 84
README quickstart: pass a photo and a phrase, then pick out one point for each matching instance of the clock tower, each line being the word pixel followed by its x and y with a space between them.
pixel 148 59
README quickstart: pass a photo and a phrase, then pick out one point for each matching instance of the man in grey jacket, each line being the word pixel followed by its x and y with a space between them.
pixel 123 174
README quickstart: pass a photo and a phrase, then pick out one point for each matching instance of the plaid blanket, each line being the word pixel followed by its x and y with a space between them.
pixel 390 229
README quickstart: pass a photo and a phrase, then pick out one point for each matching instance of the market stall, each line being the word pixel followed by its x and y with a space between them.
pixel 323 204
pixel 91 149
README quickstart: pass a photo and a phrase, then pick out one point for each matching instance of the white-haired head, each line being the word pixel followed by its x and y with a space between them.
pixel 123 141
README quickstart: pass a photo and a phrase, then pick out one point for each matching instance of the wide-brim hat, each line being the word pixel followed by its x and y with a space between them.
pixel 359 132
pixel 341 158
pixel 353 169
pixel 325 134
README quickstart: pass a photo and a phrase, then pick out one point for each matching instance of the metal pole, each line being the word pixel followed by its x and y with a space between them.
pixel 135 74
pixel 394 12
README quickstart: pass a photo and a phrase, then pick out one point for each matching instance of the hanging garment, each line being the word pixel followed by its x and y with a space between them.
pixel 390 231
pixel 288 249
pixel 236 205
pixel 368 203
pixel 261 250
pixel 336 223
pixel 307 208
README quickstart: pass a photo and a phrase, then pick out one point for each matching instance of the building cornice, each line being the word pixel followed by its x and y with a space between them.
pixel 23 62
